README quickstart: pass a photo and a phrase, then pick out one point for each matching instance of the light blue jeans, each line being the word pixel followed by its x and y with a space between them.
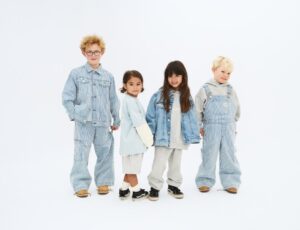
pixel 219 137
pixel 101 137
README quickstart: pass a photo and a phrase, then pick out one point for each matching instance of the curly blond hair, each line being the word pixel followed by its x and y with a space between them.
pixel 90 40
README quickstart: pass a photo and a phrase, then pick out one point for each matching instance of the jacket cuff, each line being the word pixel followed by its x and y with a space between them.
pixel 71 116
pixel 116 122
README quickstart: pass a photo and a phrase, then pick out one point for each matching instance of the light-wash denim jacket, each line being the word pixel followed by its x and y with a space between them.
pixel 90 96
pixel 159 122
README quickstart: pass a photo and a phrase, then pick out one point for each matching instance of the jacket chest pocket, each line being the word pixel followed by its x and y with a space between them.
pixel 159 106
pixel 103 83
pixel 83 82
pixel 160 109
pixel 83 87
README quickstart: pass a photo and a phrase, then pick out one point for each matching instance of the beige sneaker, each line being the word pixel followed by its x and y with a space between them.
pixel 103 189
pixel 204 188
pixel 232 190
pixel 82 193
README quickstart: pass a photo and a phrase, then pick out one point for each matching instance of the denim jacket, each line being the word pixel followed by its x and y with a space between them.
pixel 159 122
pixel 90 96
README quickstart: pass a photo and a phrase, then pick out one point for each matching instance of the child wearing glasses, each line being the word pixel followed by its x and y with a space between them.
pixel 218 111
pixel 90 99
pixel 136 135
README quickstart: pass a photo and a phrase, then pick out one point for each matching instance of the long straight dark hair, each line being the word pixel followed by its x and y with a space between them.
pixel 176 67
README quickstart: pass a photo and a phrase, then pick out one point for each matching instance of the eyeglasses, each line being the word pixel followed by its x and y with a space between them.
pixel 93 53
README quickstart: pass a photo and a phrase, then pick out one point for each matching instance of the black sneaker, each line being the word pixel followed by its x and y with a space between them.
pixel 123 194
pixel 154 194
pixel 139 194
pixel 175 192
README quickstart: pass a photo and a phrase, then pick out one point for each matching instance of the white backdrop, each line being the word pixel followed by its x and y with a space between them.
pixel 40 45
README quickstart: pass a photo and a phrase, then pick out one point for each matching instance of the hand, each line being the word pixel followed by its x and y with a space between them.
pixel 113 127
pixel 202 132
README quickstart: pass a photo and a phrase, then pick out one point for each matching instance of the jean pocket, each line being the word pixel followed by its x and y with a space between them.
pixel 83 80
pixel 103 83
pixel 159 106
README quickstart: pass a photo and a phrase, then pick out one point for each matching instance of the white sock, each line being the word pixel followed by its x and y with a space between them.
pixel 125 185
pixel 135 188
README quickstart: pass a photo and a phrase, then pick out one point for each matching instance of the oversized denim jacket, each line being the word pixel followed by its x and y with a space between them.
pixel 90 96
pixel 159 122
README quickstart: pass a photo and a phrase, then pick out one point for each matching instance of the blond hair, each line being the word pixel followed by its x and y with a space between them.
pixel 90 40
pixel 222 61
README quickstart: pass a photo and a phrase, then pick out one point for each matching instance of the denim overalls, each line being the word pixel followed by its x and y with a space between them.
pixel 219 137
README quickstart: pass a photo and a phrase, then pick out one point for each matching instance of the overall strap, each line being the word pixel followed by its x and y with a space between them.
pixel 208 95
pixel 229 91
pixel 207 91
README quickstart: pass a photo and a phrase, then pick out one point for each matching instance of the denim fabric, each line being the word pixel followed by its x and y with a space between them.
pixel 219 136
pixel 133 115
pixel 159 122
pixel 85 135
pixel 215 88
pixel 90 96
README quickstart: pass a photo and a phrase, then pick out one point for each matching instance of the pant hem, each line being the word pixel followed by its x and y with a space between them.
pixel 81 188
pixel 174 184
pixel 105 183
pixel 231 186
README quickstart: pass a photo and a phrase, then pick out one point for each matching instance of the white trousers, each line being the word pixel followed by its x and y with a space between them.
pixel 163 155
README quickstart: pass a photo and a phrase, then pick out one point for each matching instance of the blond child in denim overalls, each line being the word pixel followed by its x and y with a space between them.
pixel 218 110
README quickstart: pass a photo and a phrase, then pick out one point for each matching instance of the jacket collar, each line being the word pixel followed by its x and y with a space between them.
pixel 90 69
